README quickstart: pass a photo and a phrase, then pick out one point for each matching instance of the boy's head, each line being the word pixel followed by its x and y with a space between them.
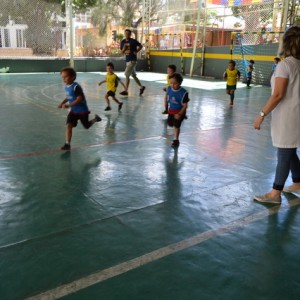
pixel 251 61
pixel 175 81
pixel 68 75
pixel 231 65
pixel 171 69
pixel 277 60
pixel 110 67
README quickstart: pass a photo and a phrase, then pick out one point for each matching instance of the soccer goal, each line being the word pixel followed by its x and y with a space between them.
pixel 261 47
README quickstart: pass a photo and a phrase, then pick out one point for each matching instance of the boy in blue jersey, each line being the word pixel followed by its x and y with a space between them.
pixel 249 72
pixel 178 99
pixel 77 104
pixel 130 47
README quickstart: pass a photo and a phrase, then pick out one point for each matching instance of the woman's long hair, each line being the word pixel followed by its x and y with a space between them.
pixel 291 42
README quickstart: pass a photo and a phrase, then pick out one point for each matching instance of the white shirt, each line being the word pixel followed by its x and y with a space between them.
pixel 285 124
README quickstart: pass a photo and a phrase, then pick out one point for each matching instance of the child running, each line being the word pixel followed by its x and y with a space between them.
pixel 249 72
pixel 178 99
pixel 77 104
pixel 112 82
pixel 231 75
pixel 170 70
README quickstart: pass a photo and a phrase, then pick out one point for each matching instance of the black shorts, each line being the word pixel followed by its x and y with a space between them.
pixel 230 87
pixel 110 93
pixel 73 119
pixel 172 122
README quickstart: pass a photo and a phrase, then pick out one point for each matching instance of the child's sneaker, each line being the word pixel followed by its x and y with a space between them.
pixel 97 118
pixel 124 93
pixel 120 106
pixel 165 112
pixel 175 143
pixel 107 108
pixel 66 147
pixel 142 90
pixel 231 102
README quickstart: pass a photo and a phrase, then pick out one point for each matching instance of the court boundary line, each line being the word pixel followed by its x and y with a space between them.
pixel 162 136
pixel 98 277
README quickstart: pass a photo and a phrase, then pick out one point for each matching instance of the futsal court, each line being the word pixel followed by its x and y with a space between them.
pixel 123 215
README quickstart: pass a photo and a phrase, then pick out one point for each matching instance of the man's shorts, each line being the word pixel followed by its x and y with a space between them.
pixel 231 87
pixel 110 93
pixel 73 119
pixel 130 68
pixel 172 122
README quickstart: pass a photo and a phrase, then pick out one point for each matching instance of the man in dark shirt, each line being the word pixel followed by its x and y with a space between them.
pixel 130 47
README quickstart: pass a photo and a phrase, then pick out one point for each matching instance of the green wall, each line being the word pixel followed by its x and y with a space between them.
pixel 213 67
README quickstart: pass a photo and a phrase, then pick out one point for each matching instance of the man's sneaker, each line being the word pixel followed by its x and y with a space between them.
pixel 175 143
pixel 231 102
pixel 165 112
pixel 142 90
pixel 107 108
pixel 97 118
pixel 66 147
pixel 124 93
pixel 120 106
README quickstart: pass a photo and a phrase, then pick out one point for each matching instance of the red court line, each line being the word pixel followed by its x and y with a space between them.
pixel 36 153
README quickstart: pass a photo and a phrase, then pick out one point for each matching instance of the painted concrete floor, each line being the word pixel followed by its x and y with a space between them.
pixel 123 215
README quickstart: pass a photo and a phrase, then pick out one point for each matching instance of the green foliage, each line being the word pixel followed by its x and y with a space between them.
pixel 122 12
pixel 78 5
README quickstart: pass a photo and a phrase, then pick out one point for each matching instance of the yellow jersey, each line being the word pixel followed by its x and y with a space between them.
pixel 232 76
pixel 112 81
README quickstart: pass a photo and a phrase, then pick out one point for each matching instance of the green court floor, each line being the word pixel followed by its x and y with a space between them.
pixel 125 216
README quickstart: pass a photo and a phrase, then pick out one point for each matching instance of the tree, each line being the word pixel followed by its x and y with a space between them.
pixel 38 15
pixel 128 13
pixel 78 5
pixel 255 16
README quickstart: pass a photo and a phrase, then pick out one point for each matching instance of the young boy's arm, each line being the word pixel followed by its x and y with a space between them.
pixel 101 82
pixel 182 112
pixel 60 105
pixel 123 85
pixel 225 75
pixel 77 101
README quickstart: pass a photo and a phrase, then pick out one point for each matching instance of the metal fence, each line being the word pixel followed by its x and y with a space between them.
pixel 39 28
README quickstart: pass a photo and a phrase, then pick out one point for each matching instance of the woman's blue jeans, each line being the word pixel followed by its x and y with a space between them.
pixel 287 160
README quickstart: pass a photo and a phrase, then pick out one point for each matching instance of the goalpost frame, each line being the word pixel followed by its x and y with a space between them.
pixel 262 32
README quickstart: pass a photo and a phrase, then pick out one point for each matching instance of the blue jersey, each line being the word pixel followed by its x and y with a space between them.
pixel 73 91
pixel 176 98
pixel 131 46
pixel 249 71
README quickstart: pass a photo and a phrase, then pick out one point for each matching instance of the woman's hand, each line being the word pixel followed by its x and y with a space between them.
pixel 257 122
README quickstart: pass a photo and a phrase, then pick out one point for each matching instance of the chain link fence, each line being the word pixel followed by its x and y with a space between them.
pixel 31 28
pixel 38 27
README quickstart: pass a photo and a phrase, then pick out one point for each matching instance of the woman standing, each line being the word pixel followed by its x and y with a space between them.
pixel 284 103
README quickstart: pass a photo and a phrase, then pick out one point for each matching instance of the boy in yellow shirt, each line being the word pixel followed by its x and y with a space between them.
pixel 231 75
pixel 170 71
pixel 112 81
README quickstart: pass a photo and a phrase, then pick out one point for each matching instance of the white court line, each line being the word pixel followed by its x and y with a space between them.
pixel 124 267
